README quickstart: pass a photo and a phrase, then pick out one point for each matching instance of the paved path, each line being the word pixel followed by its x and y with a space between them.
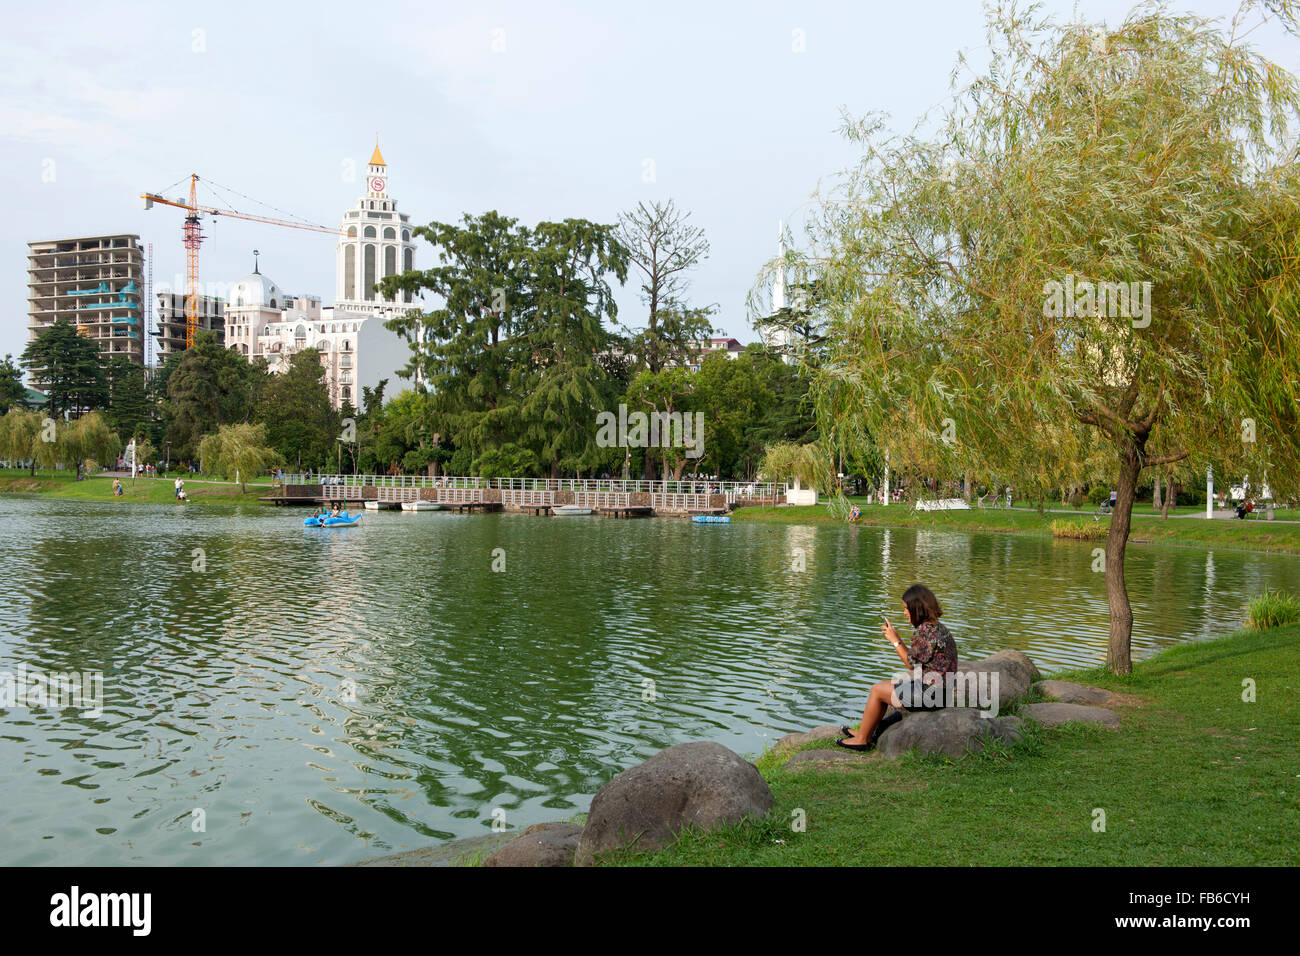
pixel 1219 513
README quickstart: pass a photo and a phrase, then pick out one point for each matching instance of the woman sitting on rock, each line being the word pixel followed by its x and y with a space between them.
pixel 933 651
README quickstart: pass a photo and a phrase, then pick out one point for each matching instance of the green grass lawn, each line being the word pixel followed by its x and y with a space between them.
pixel 1254 534
pixel 1196 777
pixel 155 490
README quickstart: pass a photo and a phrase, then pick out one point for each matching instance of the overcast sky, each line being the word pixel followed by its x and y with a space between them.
pixel 536 109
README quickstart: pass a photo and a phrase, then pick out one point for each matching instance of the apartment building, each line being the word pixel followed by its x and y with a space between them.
pixel 96 283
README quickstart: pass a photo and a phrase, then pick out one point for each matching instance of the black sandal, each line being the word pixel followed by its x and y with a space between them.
pixel 839 742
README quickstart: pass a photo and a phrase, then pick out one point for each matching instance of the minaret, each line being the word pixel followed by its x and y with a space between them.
pixel 375 242
pixel 777 337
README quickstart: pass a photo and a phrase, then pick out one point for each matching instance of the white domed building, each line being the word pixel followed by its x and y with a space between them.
pixel 356 349
pixel 254 302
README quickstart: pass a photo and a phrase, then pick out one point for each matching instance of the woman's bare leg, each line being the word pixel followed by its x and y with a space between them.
pixel 878 701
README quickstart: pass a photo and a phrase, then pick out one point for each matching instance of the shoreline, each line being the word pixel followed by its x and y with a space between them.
pixel 1183 784
pixel 1254 536
pixel 1192 778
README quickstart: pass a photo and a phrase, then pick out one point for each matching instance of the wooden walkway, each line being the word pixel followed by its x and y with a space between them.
pixel 626 511
pixel 470 505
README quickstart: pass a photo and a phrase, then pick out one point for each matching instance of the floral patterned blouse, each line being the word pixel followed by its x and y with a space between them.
pixel 933 650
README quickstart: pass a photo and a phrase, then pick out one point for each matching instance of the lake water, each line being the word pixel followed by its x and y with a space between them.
pixel 314 696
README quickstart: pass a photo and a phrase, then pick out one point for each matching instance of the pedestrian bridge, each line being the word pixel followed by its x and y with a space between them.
pixel 533 495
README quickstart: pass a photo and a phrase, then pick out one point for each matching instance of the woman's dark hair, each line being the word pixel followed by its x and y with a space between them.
pixel 922 605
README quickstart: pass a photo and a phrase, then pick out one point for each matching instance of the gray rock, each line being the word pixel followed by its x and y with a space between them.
pixel 795 741
pixel 698 785
pixel 1015 672
pixel 952 731
pixel 1068 693
pixel 542 844
pixel 824 756
pixel 1049 715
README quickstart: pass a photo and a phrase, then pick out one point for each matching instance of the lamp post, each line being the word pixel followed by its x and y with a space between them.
pixel 168 467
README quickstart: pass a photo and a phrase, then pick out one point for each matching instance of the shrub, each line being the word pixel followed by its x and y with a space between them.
pixel 1273 609
pixel 1080 530
pixel 461 463
pixel 1097 494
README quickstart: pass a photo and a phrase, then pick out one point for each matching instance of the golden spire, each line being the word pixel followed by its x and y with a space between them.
pixel 377 158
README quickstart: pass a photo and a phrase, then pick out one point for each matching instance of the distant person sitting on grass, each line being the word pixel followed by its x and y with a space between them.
pixel 117 487
pixel 933 651
pixel 1245 508
pixel 855 513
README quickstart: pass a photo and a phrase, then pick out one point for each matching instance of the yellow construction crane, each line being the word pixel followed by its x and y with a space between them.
pixel 193 237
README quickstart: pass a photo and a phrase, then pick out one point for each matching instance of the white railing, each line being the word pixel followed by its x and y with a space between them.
pixel 527 498
pixel 732 490
pixel 684 502
pixel 385 481
pixel 459 496
pixel 602 499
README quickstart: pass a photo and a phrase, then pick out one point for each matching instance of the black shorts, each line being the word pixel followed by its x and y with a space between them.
pixel 914 695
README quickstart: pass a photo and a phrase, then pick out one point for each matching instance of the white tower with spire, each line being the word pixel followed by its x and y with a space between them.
pixel 775 337
pixel 376 242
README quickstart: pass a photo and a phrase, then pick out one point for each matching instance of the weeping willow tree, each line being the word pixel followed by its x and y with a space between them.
pixel 237 451
pixel 811 465
pixel 1098 241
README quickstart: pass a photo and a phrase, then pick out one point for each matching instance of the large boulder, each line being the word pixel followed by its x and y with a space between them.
pixel 698 785
pixel 954 731
pixel 542 844
pixel 1015 672
pixel 1051 714
pixel 1068 693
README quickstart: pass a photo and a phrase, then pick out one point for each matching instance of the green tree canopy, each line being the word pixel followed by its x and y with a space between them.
pixel 513 355
pixel 301 424
pixel 20 432
pixel 69 368
pixel 238 450
pixel 1099 239
pixel 207 387
pixel 129 405
pixel 12 391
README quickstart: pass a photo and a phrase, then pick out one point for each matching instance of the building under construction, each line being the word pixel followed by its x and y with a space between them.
pixel 169 321
pixel 97 284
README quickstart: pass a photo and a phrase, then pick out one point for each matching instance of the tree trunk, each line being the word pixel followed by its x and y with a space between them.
pixel 1155 495
pixel 1119 658
pixel 1171 498
pixel 965 487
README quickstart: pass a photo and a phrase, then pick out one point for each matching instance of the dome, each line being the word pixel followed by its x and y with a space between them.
pixel 256 289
